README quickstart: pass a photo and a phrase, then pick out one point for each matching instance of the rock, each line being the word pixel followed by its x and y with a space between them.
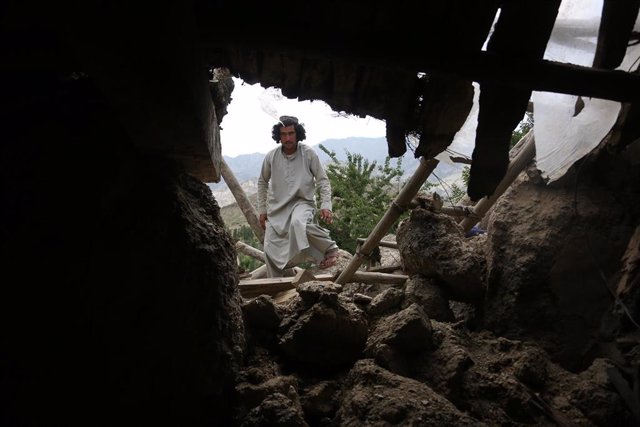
pixel 325 335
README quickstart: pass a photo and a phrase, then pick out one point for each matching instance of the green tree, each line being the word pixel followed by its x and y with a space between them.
pixel 362 192
pixel 521 130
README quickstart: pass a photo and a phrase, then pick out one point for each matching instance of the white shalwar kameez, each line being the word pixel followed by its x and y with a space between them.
pixel 286 193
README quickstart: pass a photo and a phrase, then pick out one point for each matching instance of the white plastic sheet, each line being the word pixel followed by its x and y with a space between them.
pixel 563 137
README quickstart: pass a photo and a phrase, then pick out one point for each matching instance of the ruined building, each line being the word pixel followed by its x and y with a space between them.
pixel 120 301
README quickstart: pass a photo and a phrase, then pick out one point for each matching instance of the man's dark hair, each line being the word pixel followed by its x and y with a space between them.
pixel 301 134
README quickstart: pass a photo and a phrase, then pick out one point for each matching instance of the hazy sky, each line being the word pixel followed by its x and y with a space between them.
pixel 254 110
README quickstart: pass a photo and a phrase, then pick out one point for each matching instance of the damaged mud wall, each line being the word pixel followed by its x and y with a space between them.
pixel 517 326
pixel 118 298
pixel 555 258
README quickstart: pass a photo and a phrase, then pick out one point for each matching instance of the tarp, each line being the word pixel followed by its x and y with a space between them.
pixel 563 137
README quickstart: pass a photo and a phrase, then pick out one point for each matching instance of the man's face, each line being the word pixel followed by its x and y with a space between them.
pixel 288 139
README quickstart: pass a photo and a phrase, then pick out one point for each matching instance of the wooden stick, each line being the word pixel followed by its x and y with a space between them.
pixel 250 250
pixel 374 277
pixel 479 66
pixel 392 245
pixel 385 268
pixel 457 211
pixel 249 211
pixel 259 272
pixel 271 286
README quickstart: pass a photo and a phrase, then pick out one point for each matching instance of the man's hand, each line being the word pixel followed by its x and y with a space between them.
pixel 326 216
pixel 263 220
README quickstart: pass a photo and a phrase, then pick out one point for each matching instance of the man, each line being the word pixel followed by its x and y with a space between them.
pixel 287 205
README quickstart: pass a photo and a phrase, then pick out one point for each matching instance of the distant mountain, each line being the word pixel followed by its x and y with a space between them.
pixel 246 167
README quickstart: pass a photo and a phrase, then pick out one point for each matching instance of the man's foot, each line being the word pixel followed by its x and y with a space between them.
pixel 330 259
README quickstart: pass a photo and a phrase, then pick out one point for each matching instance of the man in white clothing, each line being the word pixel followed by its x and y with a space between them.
pixel 287 202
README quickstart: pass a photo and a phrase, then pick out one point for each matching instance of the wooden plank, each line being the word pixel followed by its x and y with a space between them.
pixel 251 291
pixel 284 296
pixel 326 277
pixel 271 286
pixel 244 204
pixel 382 278
pixel 616 27
pixel 267 281
pixel 385 268
pixel 260 272
pixel 391 245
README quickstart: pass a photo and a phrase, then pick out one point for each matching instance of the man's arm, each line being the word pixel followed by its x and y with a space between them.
pixel 263 186
pixel 324 187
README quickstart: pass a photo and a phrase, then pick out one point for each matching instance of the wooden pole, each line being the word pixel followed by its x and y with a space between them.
pixel 391 245
pixel 259 272
pixel 249 211
pixel 517 165
pixel 398 206
pixel 378 277
pixel 250 250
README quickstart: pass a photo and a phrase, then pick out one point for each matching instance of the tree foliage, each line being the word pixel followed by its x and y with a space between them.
pixel 521 130
pixel 362 191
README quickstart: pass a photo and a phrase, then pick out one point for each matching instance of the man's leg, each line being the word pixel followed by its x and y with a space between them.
pixel 274 248
pixel 324 250
pixel 272 270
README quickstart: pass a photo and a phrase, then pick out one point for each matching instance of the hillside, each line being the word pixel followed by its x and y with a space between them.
pixel 233 216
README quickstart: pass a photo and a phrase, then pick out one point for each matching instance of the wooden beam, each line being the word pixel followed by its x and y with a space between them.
pixel 391 245
pixel 271 286
pixel 369 277
pixel 385 268
pixel 259 272
pixel 250 250
pixel 616 25
pixel 244 204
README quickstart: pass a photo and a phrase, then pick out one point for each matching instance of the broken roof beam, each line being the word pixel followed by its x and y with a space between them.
pixel 271 286
pixel 249 211
pixel 391 245
pixel 501 106
pixel 614 34
pixel 479 66
pixel 249 250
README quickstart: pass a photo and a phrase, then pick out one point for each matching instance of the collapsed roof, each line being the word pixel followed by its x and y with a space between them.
pixel 422 84
pixel 412 64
